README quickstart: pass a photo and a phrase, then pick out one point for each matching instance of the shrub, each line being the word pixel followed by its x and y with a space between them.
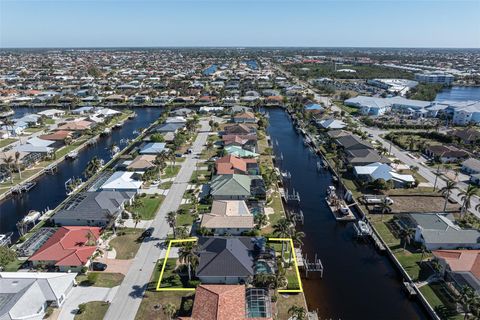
pixel 193 283
pixel 81 308
pixel 187 306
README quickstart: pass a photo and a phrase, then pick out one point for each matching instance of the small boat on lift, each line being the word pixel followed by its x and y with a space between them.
pixel 72 155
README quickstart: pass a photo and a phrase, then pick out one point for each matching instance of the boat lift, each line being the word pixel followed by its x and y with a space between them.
pixel 308 266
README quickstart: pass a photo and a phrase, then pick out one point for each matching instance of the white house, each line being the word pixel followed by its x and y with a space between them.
pixel 377 170
pixel 26 295
pixel 123 181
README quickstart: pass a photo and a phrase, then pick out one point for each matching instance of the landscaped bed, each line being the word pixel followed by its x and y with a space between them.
pixel 149 207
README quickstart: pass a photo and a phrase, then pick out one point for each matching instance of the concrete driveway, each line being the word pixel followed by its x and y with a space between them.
pixel 80 295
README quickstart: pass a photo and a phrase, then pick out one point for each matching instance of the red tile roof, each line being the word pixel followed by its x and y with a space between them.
pixel 461 260
pixel 68 246
pixel 231 164
pixel 57 135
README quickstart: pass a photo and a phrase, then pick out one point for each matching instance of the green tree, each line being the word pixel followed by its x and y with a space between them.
pixel 7 255
pixel 446 191
pixel 188 255
pixel 169 309
pixel 172 221
pixel 282 230
pixel 466 197
pixel 298 313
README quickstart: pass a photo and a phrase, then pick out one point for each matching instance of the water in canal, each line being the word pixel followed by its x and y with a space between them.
pixel 50 189
pixel 459 94
pixel 358 282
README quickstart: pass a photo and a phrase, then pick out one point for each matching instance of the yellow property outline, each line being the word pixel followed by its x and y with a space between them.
pixel 193 289
pixel 165 263
pixel 295 264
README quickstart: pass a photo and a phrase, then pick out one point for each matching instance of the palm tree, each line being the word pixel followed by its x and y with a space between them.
pixel 172 221
pixel 93 167
pixel 466 299
pixel 298 313
pixel 136 218
pixel 17 158
pixel 282 230
pixel 68 140
pixel 8 162
pixel 188 255
pixel 385 207
pixel 261 220
pixel 9 123
pixel 297 238
pixel 446 191
pixel 169 309
pixel 90 239
pixel 466 197
pixel 407 235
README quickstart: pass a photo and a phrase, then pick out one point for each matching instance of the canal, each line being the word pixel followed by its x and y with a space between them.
pixel 50 189
pixel 358 282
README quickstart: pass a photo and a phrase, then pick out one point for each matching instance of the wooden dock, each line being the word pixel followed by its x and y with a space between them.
pixel 335 208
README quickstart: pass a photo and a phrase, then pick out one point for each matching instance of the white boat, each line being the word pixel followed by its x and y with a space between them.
pixel 364 227
pixel 72 155
pixel 107 131
pixel 31 217
pixel 331 190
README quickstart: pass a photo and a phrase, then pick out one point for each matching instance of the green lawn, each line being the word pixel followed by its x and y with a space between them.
pixel 410 262
pixel 6 142
pixel 105 279
pixel 170 171
pixel 126 244
pixel 150 205
pixel 277 206
pixel 166 185
pixel 95 310
pixel 442 304
pixel 185 219
pixel 33 130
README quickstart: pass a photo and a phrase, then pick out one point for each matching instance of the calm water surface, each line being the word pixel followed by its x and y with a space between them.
pixel 358 282
pixel 50 189
pixel 459 94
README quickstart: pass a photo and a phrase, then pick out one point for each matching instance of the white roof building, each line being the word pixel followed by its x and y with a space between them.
pixel 122 181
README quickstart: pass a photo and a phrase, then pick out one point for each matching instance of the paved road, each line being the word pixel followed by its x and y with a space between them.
pixel 424 171
pixel 129 296
pixel 80 295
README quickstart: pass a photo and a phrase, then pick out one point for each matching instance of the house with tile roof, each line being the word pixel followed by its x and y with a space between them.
pixel 228 217
pixel 240 152
pixel 68 249
pixel 460 267
pixel 230 302
pixel 232 164
pixel 238 129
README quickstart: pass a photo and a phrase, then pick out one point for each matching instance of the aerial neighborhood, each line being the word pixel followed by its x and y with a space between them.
pixel 185 184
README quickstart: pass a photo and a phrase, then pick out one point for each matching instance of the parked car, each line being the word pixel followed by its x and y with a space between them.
pixel 99 266
pixel 147 233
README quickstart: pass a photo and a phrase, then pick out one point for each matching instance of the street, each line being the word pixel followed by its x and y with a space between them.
pixel 129 295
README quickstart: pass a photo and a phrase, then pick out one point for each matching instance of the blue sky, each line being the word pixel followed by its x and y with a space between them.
pixel 323 23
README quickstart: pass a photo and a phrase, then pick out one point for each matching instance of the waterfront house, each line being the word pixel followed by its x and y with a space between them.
pixel 68 249
pixel 227 260
pixel 141 163
pixel 27 295
pixel 445 153
pixel 59 136
pixel 331 124
pixel 438 231
pixel 231 164
pixel 460 268
pixel 98 208
pixel 230 302
pixel 181 112
pixel 240 152
pixel 123 181
pixel 244 117
pixel 237 187
pixel 228 217
pixel 177 119
pixel 241 129
pixel 79 125
pixel 153 148
pixel 352 142
pixel 169 127
pixel 362 157
pixel 377 170
pixel 52 113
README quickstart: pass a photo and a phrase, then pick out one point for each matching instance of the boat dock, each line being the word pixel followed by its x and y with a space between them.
pixel 306 265
pixel 340 210
pixel 25 187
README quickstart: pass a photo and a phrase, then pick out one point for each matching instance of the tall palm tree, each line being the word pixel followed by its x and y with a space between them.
pixel 282 230
pixel 298 313
pixel 17 158
pixel 93 167
pixel 169 309
pixel 188 255
pixel 9 123
pixel 297 238
pixel 172 221
pixel 446 191
pixel 407 235
pixel 8 162
pixel 466 197
pixel 385 207
pixel 466 299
